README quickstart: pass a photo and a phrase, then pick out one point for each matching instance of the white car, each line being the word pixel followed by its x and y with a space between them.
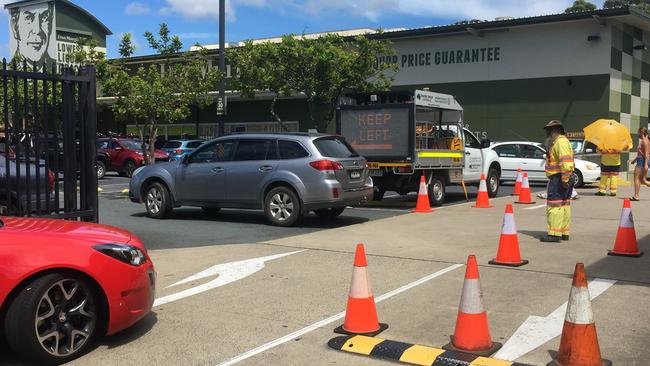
pixel 531 158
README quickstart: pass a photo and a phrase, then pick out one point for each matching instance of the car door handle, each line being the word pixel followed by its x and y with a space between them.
pixel 217 170
pixel 266 168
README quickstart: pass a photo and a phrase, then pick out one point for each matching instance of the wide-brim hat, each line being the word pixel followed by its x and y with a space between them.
pixel 554 123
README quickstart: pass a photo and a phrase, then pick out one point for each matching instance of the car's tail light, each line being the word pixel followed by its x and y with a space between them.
pixel 326 165
pixel 178 151
pixel 50 179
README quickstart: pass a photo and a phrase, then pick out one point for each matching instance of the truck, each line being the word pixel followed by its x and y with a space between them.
pixel 424 135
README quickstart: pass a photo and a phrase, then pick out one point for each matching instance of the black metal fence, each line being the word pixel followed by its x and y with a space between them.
pixel 48 126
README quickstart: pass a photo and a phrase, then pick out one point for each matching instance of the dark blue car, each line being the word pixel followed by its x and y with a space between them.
pixel 179 148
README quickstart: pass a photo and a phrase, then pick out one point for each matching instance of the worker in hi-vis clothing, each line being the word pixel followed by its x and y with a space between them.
pixel 559 170
pixel 610 165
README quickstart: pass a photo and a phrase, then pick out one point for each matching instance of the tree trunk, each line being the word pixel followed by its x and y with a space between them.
pixel 150 158
pixel 277 118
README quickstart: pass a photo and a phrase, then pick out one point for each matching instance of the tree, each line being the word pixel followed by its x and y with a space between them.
pixel 151 96
pixel 260 68
pixel 321 69
pixel 580 5
pixel 126 47
pixel 640 5
pixel 165 45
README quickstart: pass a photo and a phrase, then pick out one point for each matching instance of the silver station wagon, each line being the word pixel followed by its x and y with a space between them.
pixel 286 175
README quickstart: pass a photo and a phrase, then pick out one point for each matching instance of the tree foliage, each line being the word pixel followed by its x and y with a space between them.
pixel 126 47
pixel 580 5
pixel 320 69
pixel 160 93
pixel 165 44
pixel 641 5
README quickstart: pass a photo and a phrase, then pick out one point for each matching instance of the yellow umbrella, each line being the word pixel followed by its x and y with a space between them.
pixel 608 135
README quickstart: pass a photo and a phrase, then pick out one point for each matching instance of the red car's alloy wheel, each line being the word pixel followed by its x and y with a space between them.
pixel 66 317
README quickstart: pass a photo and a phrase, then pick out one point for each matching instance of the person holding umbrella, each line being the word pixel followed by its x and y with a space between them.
pixel 559 170
pixel 610 165
pixel 641 161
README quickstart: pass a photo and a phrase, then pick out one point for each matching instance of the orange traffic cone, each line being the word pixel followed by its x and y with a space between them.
pixel 472 332
pixel 626 244
pixel 517 189
pixel 361 314
pixel 579 343
pixel 423 205
pixel 483 199
pixel 525 198
pixel 508 253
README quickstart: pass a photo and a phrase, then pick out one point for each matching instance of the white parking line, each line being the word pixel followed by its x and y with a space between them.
pixel 535 207
pixel 333 318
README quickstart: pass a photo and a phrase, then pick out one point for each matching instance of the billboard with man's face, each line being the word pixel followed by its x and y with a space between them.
pixel 32 34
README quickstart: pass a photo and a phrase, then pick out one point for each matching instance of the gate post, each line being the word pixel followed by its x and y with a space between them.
pixel 89 168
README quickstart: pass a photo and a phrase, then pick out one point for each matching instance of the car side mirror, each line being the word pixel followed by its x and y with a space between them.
pixel 118 148
pixel 544 156
pixel 485 143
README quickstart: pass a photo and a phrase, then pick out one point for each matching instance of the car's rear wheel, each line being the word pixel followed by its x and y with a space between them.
pixel 129 168
pixel 282 206
pixel 378 194
pixel 53 319
pixel 157 201
pixel 493 181
pixel 101 169
pixel 329 213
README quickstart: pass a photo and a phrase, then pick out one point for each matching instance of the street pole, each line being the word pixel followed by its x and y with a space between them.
pixel 222 67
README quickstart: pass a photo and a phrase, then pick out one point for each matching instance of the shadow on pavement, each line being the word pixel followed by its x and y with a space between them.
pixel 532 233
pixel 624 268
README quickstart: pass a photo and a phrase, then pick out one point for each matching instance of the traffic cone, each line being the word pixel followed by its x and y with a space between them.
pixel 626 244
pixel 472 333
pixel 423 205
pixel 508 253
pixel 525 198
pixel 361 313
pixel 517 189
pixel 579 342
pixel 483 199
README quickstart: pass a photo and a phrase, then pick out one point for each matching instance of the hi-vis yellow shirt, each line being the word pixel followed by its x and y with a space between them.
pixel 610 158
pixel 560 159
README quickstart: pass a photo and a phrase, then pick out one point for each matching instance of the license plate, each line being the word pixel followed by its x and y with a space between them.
pixel 376 172
pixel 355 175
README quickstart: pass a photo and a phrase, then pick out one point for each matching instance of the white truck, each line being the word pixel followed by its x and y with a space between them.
pixel 422 136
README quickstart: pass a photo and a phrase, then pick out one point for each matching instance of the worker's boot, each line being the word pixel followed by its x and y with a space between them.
pixel 613 194
pixel 601 193
pixel 550 239
pixel 565 237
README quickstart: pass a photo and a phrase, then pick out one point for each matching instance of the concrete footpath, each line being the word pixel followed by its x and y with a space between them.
pixel 281 310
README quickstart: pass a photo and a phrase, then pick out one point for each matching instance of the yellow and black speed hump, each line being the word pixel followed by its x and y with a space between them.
pixel 411 353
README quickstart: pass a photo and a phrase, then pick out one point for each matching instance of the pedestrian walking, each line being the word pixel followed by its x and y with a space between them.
pixel 559 170
pixel 641 161
pixel 610 165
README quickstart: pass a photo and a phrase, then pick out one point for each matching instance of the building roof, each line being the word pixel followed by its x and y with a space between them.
pixel 634 16
pixel 76 7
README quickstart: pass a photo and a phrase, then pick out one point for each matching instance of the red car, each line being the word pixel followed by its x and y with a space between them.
pixel 125 155
pixel 65 282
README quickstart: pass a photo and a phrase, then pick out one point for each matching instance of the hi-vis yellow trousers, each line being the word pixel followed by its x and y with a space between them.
pixel 558 206
pixel 608 179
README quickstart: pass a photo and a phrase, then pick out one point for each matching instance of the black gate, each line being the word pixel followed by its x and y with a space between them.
pixel 48 127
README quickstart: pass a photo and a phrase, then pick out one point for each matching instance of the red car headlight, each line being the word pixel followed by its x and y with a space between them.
pixel 124 253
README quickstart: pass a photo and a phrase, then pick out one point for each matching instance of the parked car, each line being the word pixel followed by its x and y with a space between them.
pixel 531 158
pixel 66 282
pixel 286 175
pixel 23 196
pixel 4 148
pixel 179 148
pixel 125 155
pixel 585 150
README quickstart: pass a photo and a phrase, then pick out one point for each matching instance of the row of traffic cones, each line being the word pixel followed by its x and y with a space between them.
pixel 578 345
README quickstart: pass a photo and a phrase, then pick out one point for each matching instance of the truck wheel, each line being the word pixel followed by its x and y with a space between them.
pixel 493 183
pixel 436 191
pixel 378 194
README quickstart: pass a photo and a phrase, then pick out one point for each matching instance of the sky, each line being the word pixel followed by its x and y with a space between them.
pixel 197 20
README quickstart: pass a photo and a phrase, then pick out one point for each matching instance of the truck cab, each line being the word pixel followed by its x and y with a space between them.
pixel 424 135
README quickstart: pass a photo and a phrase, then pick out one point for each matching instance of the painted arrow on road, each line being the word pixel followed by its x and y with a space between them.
pixel 537 330
pixel 226 273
